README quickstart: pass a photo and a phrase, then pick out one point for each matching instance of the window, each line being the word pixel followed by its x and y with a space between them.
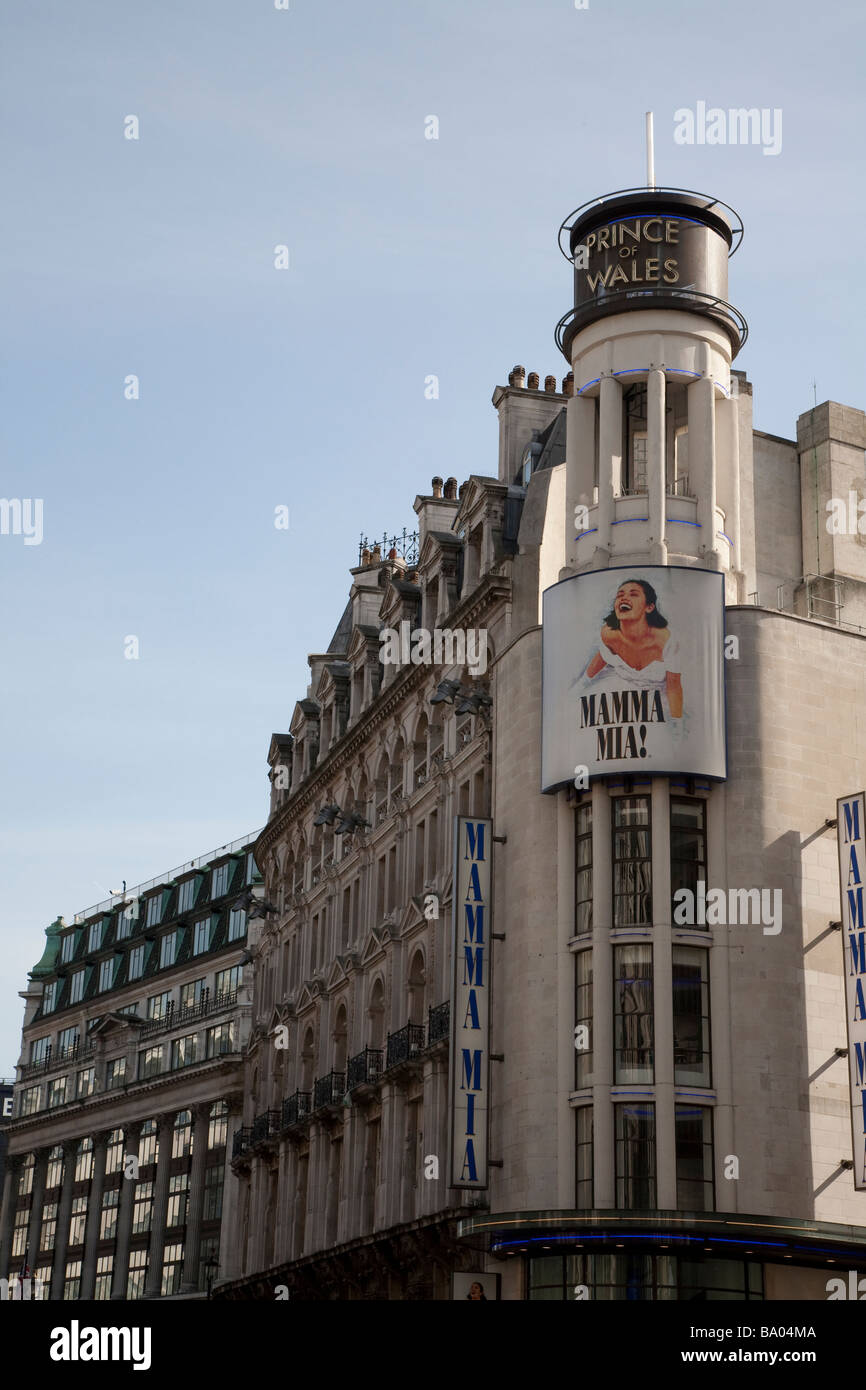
pixel 67 1041
pixel 125 924
pixel 137 1273
pixel 128 1009
pixel 114 1152
pixel 159 1005
pixel 54 1176
pixel 635 1156
pixel 184 1051
pixel 172 1268
pixel 237 923
pixel 67 950
pixel 104 1270
pixel 25 1176
pixel 228 981
pixel 186 895
pixel 178 1199
pixel 633 1013
pixel 252 874
pixel 201 937
pixel 583 1018
pixel 213 1193
pixel 583 869
pixel 220 1040
pixel 19 1233
pixel 632 866
pixel 150 1062
pixel 108 1215
pixel 40 1049
pixel 31 1100
pixel 154 910
pixel 49 997
pixel 182 1138
pixel 72 1281
pixel 136 963
pixel 57 1092
pixel 76 986
pixel 77 1221
pixel 691 1001
pixel 85 1083
pixel 49 1226
pixel 681 462
pixel 84 1160
pixel 42 1278
pixel 209 1250
pixel 147 1143
pixel 192 993
pixel 167 948
pixel 106 974
pixel 694 1135
pixel 220 881
pixel 115 1073
pixel 94 937
pixel 218 1124
pixel 583 1183
pixel 142 1208
pixel 688 858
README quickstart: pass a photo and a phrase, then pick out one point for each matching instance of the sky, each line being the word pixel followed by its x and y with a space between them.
pixel 261 387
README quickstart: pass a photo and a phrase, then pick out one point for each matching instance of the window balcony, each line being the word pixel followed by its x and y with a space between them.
pixel 241 1143
pixel 175 1018
pixel 404 1045
pixel 265 1126
pixel 329 1090
pixel 364 1069
pixel 52 1060
pixel 438 1022
pixel 295 1109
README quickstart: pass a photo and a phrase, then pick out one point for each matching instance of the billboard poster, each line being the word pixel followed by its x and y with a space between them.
pixel 469 1080
pixel 851 832
pixel 633 675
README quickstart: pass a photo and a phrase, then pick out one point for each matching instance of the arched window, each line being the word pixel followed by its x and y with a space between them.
pixel 217 1124
pixel 419 754
pixel 84 1160
pixel 25 1175
pixel 147 1143
pixel 341 1037
pixel 376 1015
pixel 182 1141
pixel 114 1152
pixel 308 1061
pixel 417 988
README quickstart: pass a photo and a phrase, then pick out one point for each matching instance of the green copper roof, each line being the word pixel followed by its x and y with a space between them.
pixel 45 966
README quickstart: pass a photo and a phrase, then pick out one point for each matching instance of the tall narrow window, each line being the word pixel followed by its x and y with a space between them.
pixel 688 857
pixel 633 1013
pixel 694 1135
pixel 583 1019
pixel 691 999
pixel 583 868
pixel 632 862
pixel 635 1156
pixel 583 1183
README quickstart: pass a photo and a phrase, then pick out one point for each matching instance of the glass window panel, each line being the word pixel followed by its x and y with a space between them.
pixel 633 1014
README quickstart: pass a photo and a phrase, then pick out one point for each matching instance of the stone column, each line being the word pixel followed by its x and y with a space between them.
pixel 160 1207
pixel 609 463
pixel 192 1243
pixel 131 1136
pixel 663 1005
pixel 702 457
pixel 231 1262
pixel 604 1144
pixel 580 461
pixel 94 1214
pixel 34 1230
pixel 64 1211
pixel 655 453
pixel 10 1190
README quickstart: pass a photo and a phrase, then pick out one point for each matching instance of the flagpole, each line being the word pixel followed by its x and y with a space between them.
pixel 650 163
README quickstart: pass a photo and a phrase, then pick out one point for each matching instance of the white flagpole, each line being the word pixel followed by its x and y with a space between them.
pixel 650 169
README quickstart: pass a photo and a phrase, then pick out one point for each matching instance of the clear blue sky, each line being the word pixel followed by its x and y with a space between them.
pixel 259 387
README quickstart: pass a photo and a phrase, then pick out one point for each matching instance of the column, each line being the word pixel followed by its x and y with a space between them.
pixel 192 1242
pixel 728 460
pixel 282 1222
pixel 565 1000
pixel 655 449
pixel 131 1136
pixel 580 459
pixel 609 463
pixel 604 1145
pixel 231 1263
pixel 721 1042
pixel 94 1214
pixel 10 1191
pixel 160 1207
pixel 702 457
pixel 663 1003
pixel 64 1211
pixel 34 1230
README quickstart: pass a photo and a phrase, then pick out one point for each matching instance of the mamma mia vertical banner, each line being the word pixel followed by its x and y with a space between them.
pixel 851 831
pixel 469 1082
pixel 633 674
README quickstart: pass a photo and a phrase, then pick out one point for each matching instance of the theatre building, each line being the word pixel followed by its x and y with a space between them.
pixel 129 1088
pixel 648 1095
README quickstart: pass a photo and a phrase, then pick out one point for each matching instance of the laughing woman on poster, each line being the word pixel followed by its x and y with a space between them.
pixel 637 647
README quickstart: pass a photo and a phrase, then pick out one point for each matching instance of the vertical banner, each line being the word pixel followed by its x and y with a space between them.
pixel 851 831
pixel 469 1080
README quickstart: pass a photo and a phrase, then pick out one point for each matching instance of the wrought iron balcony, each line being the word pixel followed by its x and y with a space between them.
pixel 438 1022
pixel 295 1107
pixel 176 1018
pixel 405 1044
pixel 364 1069
pixel 53 1060
pixel 264 1126
pixel 241 1142
pixel 329 1090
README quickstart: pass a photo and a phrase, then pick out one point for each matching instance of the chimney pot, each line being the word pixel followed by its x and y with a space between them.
pixel 550 383
pixel 437 487
pixel 365 555
pixel 568 384
pixel 451 489
pixel 517 376
pixel 377 553
pixel 392 553
pixel 532 381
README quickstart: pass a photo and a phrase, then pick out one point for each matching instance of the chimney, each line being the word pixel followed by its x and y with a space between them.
pixel 550 383
pixel 532 381
pixel 520 413
pixel 451 489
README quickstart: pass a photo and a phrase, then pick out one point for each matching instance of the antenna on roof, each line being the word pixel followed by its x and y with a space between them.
pixel 650 166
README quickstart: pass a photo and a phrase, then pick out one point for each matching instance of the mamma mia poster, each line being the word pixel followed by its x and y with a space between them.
pixel 633 676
